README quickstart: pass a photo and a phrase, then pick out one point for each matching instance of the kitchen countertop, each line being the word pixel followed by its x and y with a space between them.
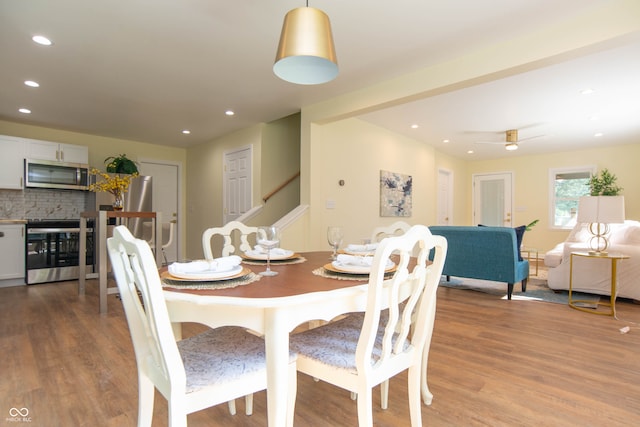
pixel 13 221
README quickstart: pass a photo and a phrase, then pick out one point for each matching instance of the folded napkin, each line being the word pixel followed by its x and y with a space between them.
pixel 369 247
pixel 275 251
pixel 219 264
pixel 362 261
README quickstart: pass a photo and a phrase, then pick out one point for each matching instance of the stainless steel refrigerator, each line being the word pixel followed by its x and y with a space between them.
pixel 138 198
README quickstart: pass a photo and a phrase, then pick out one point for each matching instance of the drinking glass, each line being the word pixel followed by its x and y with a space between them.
pixel 334 237
pixel 268 238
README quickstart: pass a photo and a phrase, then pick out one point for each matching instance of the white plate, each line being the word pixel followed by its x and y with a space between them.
pixel 209 274
pixel 358 269
pixel 359 253
pixel 284 254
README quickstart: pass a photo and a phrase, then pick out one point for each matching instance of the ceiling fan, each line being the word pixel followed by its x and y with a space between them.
pixel 511 140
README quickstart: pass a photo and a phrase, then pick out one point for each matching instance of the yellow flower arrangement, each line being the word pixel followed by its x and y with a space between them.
pixel 112 183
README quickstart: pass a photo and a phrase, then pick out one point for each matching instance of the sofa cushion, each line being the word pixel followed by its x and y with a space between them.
pixel 579 233
pixel 625 234
pixel 519 235
pixel 553 258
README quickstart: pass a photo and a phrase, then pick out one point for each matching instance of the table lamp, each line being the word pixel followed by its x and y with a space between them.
pixel 599 212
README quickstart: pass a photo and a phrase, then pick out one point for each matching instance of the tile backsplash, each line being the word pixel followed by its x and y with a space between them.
pixel 36 203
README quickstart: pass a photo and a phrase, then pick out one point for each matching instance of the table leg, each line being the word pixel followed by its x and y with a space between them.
pixel 102 260
pixel 277 354
pixel 614 280
pixel 82 257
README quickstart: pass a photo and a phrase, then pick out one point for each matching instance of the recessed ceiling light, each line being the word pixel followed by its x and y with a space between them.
pixel 42 40
pixel 598 134
pixel 25 110
pixel 446 141
pixel 414 126
pixel 587 91
pixel 229 113
pixel 31 83
pixel 186 131
pixel 470 152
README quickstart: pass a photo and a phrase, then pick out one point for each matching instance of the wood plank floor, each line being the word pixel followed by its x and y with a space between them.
pixel 493 362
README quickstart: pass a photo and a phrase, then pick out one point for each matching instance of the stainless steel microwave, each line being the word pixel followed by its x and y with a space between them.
pixel 50 174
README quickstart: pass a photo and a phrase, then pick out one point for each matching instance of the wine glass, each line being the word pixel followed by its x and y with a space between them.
pixel 268 238
pixel 334 237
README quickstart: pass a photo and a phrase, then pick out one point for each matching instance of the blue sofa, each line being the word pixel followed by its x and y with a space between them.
pixel 486 253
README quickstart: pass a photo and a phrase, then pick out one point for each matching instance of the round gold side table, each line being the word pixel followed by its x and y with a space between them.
pixel 574 303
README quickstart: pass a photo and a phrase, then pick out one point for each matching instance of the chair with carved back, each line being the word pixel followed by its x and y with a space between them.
pixel 393 334
pixel 395 229
pixel 198 372
pixel 228 231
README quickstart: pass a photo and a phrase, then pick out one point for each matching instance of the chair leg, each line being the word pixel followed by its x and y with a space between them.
pixel 524 285
pixel 365 408
pixel 384 394
pixel 415 409
pixel 248 404
pixel 146 392
pixel 177 416
pixel 232 406
pixel 427 396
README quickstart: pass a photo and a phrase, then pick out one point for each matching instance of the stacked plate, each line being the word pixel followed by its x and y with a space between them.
pixel 224 268
pixel 353 264
pixel 277 254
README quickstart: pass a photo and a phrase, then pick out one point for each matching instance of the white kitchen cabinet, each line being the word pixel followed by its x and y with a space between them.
pixel 46 150
pixel 12 248
pixel 12 162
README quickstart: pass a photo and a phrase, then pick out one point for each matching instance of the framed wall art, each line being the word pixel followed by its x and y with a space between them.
pixel 395 194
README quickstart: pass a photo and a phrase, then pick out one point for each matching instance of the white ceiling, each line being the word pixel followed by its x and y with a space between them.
pixel 145 70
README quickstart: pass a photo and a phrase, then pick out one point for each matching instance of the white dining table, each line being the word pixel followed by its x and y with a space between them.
pixel 272 306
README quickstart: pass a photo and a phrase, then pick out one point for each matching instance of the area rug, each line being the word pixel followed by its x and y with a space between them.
pixel 537 290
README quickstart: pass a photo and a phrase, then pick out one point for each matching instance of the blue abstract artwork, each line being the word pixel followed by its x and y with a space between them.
pixel 395 194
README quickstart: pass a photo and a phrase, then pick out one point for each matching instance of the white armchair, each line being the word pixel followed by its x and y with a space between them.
pixel 594 275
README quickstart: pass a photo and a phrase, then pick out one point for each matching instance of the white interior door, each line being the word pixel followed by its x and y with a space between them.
pixel 493 199
pixel 445 197
pixel 237 183
pixel 166 176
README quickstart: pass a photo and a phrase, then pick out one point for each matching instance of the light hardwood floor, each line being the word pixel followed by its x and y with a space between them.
pixel 493 362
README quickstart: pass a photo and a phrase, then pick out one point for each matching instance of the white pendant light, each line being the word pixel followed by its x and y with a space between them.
pixel 306 54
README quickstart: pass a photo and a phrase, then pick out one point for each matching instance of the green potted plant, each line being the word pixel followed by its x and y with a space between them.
pixel 121 164
pixel 604 184
pixel 529 226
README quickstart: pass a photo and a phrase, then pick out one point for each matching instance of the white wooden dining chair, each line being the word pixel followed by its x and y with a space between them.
pixel 168 230
pixel 394 333
pixel 395 229
pixel 228 231
pixel 198 372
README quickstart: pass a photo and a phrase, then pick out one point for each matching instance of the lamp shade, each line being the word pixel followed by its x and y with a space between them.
pixel 306 54
pixel 601 209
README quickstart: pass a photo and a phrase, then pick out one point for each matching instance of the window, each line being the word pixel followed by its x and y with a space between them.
pixel 566 187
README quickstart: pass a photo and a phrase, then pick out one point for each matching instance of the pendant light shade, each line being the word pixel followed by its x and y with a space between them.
pixel 306 54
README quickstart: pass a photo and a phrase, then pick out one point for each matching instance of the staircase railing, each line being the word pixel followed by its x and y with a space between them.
pixel 280 187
